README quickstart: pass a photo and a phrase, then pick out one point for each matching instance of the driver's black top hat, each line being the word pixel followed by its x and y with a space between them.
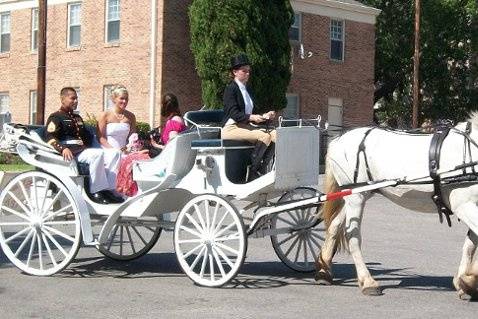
pixel 238 61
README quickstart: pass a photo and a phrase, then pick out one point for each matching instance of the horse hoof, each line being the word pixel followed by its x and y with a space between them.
pixel 323 278
pixel 470 291
pixel 372 291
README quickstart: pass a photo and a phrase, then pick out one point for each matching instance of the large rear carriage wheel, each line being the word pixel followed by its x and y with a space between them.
pixel 40 229
pixel 210 240
pixel 299 232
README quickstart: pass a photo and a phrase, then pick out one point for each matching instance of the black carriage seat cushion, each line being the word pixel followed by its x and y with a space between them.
pixel 205 117
pixel 217 143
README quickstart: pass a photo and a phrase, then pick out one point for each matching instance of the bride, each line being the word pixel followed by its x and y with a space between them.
pixel 115 125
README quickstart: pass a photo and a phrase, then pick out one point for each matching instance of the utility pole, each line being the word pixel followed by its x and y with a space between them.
pixel 416 66
pixel 41 69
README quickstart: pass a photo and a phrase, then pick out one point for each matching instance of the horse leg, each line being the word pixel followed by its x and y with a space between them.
pixel 354 206
pixel 466 279
pixel 323 264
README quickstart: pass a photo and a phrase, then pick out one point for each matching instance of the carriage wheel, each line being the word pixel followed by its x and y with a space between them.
pixel 40 230
pixel 300 233
pixel 131 239
pixel 210 240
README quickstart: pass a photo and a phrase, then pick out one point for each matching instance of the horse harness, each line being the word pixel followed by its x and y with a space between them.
pixel 439 135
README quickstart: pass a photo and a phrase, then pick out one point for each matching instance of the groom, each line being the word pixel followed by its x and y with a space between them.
pixel 67 134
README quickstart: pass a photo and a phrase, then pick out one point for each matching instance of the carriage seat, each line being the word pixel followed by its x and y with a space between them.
pixel 38 132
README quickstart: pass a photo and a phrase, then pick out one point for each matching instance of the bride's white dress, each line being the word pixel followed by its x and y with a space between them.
pixel 117 136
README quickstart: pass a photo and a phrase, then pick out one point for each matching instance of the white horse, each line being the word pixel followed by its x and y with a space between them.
pixel 394 155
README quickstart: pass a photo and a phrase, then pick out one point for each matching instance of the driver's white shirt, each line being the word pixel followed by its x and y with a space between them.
pixel 247 101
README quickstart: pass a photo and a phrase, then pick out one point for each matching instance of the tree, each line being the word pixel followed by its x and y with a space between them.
pixel 448 75
pixel 221 29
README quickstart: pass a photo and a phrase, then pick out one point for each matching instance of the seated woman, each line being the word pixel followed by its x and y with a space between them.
pixel 173 126
pixel 114 127
pixel 239 116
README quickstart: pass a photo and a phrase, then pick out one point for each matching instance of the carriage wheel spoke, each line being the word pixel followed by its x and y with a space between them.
pixel 139 235
pixel 297 252
pixel 19 203
pixel 294 218
pixel 306 258
pixel 53 201
pixel 286 239
pixel 149 228
pixel 40 251
pixel 189 241
pixel 235 252
pixel 216 208
pixel 57 212
pixel 312 233
pixel 121 240
pixel 314 241
pixel 292 246
pixel 192 232
pixel 211 265
pixel 222 231
pixel 206 211
pixel 312 250
pixel 25 195
pixel 220 223
pixel 195 223
pixel 285 221
pixel 59 233
pixel 55 242
pixel 189 253
pixel 66 222
pixel 201 220
pixel 218 262
pixel 45 193
pixel 30 252
pixel 204 263
pixel 14 212
pixel 195 261
pixel 15 224
pixel 130 239
pixel 233 236
pixel 112 237
pixel 52 258
pixel 25 241
pixel 21 232
pixel 223 256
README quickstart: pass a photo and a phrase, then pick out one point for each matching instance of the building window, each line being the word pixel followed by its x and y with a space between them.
pixel 291 111
pixel 337 40
pixel 74 25
pixel 335 115
pixel 34 35
pixel 107 103
pixel 112 21
pixel 4 102
pixel 4 32
pixel 33 107
pixel 295 28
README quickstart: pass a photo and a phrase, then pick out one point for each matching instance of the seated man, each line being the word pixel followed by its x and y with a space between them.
pixel 66 132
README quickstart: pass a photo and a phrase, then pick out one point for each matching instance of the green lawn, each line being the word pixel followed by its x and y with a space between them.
pixel 15 167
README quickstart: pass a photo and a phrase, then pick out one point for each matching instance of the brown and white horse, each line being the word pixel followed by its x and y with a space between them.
pixel 393 155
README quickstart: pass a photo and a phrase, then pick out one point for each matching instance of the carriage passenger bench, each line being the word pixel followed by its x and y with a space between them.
pixel 237 153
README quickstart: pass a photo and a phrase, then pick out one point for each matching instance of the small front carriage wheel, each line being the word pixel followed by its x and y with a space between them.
pixel 40 230
pixel 298 233
pixel 210 240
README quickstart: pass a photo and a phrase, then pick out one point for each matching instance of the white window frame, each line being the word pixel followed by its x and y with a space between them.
pixel 298 25
pixel 4 32
pixel 108 20
pixel 4 96
pixel 71 24
pixel 78 94
pixel 331 36
pixel 33 106
pixel 297 111
pixel 107 102
pixel 34 30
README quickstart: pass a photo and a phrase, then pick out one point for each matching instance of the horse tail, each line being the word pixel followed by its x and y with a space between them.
pixel 330 209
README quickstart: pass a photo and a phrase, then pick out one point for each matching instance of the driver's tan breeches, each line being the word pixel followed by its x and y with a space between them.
pixel 246 132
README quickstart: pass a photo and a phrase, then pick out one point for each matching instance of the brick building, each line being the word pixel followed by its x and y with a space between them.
pixel 92 45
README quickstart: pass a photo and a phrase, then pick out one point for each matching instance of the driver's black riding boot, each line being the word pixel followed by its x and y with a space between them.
pixel 256 161
pixel 267 159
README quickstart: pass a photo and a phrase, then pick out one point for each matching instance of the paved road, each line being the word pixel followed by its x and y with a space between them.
pixel 411 255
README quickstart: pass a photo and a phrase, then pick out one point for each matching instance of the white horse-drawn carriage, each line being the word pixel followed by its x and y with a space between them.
pixel 196 186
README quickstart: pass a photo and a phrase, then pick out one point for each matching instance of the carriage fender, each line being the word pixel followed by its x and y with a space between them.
pixel 83 211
